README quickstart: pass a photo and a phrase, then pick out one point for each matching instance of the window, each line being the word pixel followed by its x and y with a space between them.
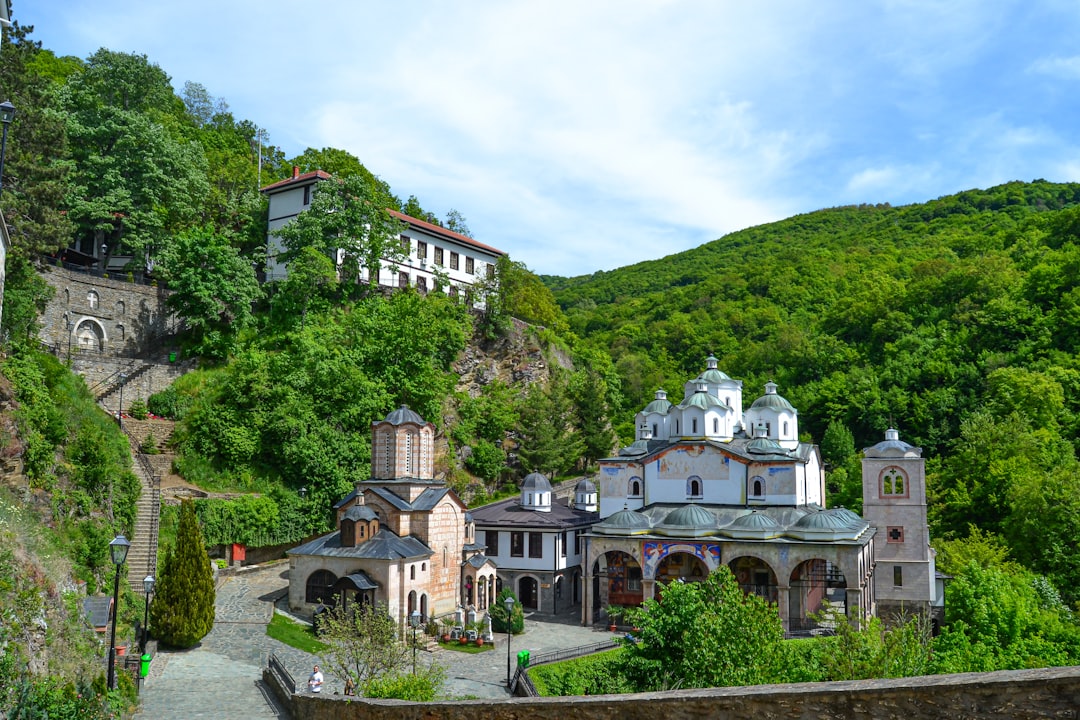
pixel 536 545
pixel 757 486
pixel 492 538
pixel 894 534
pixel 577 542
pixel 438 256
pixel 403 279
pixel 693 426
pixel 406 245
pixel 517 544
pixel 453 260
pixel 421 250
pixel 412 572
pixel 693 486
pixel 785 428
pixel 654 429
pixel 633 578
pixel 307 194
pixel 897 576
pixel 453 291
pixel 319 585
pixel 635 487
pixel 716 426
pixel 490 270
pixel 421 284
pixel 676 427
pixel 469 266
pixel 563 552
pixel 893 482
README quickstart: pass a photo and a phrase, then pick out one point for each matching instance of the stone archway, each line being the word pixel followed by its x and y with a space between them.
pixel 90 335
pixel 755 576
pixel 817 588
pixel 529 593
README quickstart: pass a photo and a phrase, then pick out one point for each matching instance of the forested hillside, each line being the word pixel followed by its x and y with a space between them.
pixel 956 321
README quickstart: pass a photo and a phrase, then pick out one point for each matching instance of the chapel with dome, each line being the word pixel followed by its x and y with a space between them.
pixel 706 483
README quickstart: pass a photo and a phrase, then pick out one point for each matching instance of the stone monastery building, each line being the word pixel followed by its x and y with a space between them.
pixel 403 539
pixel 707 483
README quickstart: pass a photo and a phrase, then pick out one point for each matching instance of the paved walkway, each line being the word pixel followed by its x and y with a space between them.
pixel 222 676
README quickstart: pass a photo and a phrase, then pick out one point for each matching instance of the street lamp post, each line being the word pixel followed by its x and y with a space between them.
pixel 414 620
pixel 7 114
pixel 148 590
pixel 104 252
pixel 118 550
pixel 508 603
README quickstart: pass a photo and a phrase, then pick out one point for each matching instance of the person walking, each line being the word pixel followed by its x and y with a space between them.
pixel 316 680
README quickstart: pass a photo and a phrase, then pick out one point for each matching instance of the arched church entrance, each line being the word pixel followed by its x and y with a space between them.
pixel 755 577
pixel 680 566
pixel 619 574
pixel 818 592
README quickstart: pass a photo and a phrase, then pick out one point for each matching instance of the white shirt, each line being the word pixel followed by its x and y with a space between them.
pixel 316 681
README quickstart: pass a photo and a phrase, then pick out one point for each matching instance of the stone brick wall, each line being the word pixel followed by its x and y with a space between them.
pixel 107 327
pixel 1044 693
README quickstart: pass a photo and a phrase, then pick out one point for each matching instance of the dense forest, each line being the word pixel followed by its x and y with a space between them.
pixel 955 321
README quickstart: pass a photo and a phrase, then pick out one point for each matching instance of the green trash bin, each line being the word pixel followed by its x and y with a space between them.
pixel 523 659
pixel 144 666
pixel 172 357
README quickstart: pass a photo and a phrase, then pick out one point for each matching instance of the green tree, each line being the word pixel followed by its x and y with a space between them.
pixel 497 610
pixel 36 171
pixel 346 216
pixel 705 634
pixel 362 643
pixel 342 164
pixel 214 288
pixel 135 181
pixel 182 611
pixel 547 440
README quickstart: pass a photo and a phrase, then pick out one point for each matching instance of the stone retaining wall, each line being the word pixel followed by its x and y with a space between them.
pixel 1044 693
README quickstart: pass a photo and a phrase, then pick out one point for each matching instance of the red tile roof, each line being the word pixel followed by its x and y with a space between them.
pixel 306 177
pixel 414 222
pixel 437 230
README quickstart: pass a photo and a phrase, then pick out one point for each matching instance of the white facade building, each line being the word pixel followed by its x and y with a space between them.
pixel 428 249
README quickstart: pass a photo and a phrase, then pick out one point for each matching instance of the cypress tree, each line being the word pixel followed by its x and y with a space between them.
pixel 182 611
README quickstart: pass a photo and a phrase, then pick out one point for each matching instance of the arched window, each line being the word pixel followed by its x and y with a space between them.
pixel 693 426
pixel 893 482
pixel 757 487
pixel 423 567
pixel 318 588
pixel 693 487
pixel 412 572
pixel 635 487
pixel 676 427
pixel 654 429
pixel 716 426
pixel 120 307
pixel 785 428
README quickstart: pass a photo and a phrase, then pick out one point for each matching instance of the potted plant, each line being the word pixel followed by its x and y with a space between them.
pixel 447 622
pixel 614 612
pixel 478 627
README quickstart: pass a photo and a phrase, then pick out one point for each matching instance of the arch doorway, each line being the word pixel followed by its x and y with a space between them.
pixel 528 593
pixel 817 586
pixel 680 566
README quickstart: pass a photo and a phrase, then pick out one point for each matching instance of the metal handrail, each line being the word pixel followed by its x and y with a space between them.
pixel 278 668
pixel 568 653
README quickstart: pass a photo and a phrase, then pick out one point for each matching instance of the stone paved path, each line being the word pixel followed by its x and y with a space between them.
pixel 221 678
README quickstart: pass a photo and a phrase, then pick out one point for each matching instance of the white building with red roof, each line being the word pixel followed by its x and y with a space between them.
pixel 428 248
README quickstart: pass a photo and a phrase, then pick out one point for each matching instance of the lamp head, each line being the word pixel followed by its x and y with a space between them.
pixel 7 112
pixel 414 619
pixel 148 584
pixel 508 603
pixel 118 550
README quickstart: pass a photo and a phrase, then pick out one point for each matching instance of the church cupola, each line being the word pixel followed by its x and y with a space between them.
pixel 585 496
pixel 536 493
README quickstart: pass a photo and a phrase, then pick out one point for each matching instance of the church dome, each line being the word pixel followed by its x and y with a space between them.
pixel 765 446
pixel 702 399
pixel 824 520
pixel 754 525
pixel 638 447
pixel 659 405
pixel 624 522
pixel 892 446
pixel 711 373
pixel 360 513
pixel 585 486
pixel 535 482
pixel 755 520
pixel 688 520
pixel 404 415
pixel 771 400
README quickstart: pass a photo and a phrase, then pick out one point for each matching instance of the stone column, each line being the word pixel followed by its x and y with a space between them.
pixel 784 606
pixel 648 588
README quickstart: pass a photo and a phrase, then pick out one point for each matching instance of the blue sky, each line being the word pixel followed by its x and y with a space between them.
pixel 582 136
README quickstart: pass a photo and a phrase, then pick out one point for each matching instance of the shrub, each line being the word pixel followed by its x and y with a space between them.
pixel 182 611
pixel 498 614
pixel 137 409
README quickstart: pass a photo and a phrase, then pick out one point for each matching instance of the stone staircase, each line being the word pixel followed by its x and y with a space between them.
pixel 108 391
pixel 143 556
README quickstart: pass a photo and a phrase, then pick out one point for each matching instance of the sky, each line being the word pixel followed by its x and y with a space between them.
pixel 589 135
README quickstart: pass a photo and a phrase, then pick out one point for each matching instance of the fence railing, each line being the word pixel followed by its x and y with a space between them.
pixel 283 675
pixel 568 653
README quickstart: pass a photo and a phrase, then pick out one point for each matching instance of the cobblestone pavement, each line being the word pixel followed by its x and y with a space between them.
pixel 222 676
